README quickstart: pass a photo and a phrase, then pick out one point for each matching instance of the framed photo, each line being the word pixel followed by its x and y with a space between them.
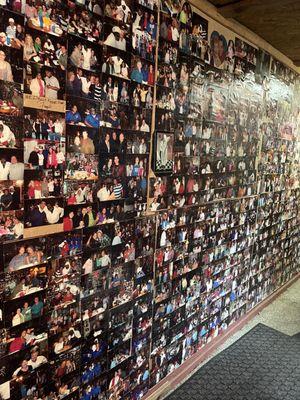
pixel 163 152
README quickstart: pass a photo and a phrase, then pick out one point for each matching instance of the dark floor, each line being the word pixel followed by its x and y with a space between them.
pixel 264 364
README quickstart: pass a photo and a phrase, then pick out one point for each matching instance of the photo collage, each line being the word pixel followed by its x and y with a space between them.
pixel 149 191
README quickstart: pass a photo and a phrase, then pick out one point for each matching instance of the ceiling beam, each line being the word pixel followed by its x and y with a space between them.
pixel 234 9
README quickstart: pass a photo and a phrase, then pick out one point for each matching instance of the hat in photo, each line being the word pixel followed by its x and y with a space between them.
pixel 11 20
pixel 116 29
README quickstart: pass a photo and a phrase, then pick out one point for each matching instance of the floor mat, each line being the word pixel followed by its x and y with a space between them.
pixel 297 336
pixel 264 364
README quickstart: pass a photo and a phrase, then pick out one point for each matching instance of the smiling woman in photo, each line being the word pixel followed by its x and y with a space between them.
pixel 5 68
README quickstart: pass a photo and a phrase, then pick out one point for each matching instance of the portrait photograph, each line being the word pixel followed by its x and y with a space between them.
pixel 164 158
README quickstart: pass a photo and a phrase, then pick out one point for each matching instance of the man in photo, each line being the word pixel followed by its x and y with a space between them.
pixel 4 169
pixel 116 39
pixel 52 85
pixel 37 215
pixel 36 360
pixel 7 137
pixel 92 120
pixel 73 116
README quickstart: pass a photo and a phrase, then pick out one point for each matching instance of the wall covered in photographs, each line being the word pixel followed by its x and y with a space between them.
pixel 149 191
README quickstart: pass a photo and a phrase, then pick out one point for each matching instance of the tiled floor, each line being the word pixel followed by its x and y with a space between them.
pixel 282 315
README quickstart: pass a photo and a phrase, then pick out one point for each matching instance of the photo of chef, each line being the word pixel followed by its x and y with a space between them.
pixel 164 152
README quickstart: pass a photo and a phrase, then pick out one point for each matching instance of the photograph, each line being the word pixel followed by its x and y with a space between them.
pixel 164 158
pixel 93 6
pixel 11 64
pixel 18 6
pixel 11 29
pixel 85 84
pixel 144 33
pixel 82 139
pixel 11 100
pixel 120 11
pixel 41 156
pixel 142 71
pixel 85 23
pixel 47 16
pixel 11 225
pixel 43 212
pixel 116 63
pixel 117 36
pixel 44 126
pixel 11 132
pixel 85 55
pixel 85 113
pixel 42 81
pixel 81 167
pixel 11 195
pixel 11 165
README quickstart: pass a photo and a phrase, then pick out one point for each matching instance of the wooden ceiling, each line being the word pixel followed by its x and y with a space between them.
pixel 276 21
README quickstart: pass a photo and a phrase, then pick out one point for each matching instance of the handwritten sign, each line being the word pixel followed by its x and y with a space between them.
pixel 43 103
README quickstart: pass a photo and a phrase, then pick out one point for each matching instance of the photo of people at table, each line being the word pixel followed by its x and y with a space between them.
pixel 48 17
pixel 11 99
pixel 25 282
pixel 81 166
pixel 11 225
pixel 85 24
pixel 10 131
pixel 83 113
pixel 45 49
pixel 11 29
